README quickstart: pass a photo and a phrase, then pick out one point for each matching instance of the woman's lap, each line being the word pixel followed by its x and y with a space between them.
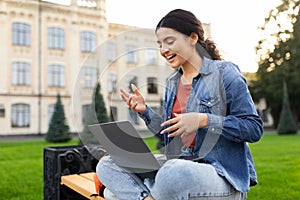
pixel 177 179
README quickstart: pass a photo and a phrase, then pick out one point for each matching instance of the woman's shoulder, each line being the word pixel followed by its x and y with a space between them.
pixel 226 65
pixel 228 70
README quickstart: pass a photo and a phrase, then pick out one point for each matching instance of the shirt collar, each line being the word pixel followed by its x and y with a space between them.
pixel 205 69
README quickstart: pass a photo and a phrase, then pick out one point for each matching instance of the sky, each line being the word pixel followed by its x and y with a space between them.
pixel 234 23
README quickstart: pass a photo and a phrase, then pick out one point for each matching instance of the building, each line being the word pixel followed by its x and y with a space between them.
pixel 50 48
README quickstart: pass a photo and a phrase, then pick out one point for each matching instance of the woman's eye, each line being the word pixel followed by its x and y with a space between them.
pixel 170 42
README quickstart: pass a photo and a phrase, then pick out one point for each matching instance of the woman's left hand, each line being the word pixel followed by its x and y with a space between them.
pixel 185 123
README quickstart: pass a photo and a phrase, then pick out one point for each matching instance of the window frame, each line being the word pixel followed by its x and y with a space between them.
pixel 20 73
pixel 21 33
pixel 131 54
pixel 56 75
pixel 151 56
pixel 89 76
pixel 56 38
pixel 152 85
pixel 20 115
pixel 87 41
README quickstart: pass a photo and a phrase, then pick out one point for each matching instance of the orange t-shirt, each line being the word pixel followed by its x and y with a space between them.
pixel 179 107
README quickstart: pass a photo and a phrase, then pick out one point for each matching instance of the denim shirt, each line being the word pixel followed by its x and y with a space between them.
pixel 221 91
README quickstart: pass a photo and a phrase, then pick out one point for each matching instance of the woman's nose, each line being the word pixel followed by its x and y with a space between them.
pixel 164 49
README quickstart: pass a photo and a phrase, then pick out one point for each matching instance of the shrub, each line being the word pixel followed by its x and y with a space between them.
pixel 58 130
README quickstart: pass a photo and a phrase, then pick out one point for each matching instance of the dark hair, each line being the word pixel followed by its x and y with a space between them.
pixel 186 22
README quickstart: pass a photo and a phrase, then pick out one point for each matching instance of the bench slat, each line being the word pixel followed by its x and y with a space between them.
pixel 82 184
pixel 89 175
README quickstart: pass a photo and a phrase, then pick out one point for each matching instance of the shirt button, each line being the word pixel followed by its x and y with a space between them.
pixel 213 129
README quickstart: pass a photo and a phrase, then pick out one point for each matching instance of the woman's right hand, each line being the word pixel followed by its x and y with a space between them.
pixel 136 101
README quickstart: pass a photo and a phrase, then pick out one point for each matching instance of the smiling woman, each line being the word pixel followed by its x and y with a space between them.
pixel 209 116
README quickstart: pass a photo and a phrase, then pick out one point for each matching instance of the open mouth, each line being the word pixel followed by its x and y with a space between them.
pixel 170 57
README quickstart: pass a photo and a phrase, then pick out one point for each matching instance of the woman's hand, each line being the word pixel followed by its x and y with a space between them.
pixel 185 123
pixel 135 101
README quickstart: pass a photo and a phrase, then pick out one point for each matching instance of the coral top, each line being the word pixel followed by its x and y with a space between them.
pixel 179 107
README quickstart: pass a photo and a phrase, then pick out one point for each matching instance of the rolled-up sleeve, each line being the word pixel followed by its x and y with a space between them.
pixel 152 120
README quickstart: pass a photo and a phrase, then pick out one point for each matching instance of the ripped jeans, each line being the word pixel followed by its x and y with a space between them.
pixel 176 180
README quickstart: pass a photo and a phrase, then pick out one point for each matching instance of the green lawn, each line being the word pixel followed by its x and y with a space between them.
pixel 277 160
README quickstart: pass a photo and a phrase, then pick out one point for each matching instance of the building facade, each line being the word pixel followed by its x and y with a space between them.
pixel 50 48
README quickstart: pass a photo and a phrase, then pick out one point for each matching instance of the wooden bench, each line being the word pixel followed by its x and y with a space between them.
pixel 82 184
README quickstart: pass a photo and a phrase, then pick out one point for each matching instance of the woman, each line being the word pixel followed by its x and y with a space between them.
pixel 209 115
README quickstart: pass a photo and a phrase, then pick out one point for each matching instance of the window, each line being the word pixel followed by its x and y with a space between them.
pixel 2 110
pixel 131 56
pixel 111 51
pixel 51 109
pixel 20 115
pixel 56 76
pixel 56 38
pixel 20 73
pixel 132 80
pixel 87 41
pixel 151 56
pixel 152 85
pixel 112 83
pixel 89 77
pixel 133 117
pixel 20 34
pixel 85 111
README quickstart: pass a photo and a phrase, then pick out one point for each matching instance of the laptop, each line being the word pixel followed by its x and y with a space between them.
pixel 126 147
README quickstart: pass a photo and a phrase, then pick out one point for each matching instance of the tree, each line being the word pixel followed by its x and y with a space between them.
pixel 58 130
pixel 279 59
pixel 96 113
pixel 286 124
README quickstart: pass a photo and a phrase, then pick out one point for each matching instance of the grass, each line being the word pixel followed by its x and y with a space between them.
pixel 21 174
pixel 277 159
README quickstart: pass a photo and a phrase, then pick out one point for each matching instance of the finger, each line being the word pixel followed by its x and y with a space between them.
pixel 169 122
pixel 123 92
pixel 125 99
pixel 135 90
pixel 175 127
pixel 174 134
pixel 129 100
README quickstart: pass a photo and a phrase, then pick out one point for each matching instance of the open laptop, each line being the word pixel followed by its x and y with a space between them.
pixel 126 146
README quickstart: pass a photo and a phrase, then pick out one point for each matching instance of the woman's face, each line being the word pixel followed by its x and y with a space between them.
pixel 174 46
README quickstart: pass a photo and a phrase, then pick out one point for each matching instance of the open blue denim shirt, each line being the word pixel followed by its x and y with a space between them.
pixel 221 91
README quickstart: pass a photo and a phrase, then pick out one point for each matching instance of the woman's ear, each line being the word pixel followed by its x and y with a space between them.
pixel 194 38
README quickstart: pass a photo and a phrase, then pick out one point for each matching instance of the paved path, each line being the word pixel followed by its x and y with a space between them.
pixel 11 138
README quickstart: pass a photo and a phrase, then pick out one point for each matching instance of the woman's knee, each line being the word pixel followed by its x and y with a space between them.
pixel 172 176
pixel 103 166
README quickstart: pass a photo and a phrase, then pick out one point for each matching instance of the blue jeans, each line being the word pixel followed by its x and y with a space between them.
pixel 176 180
